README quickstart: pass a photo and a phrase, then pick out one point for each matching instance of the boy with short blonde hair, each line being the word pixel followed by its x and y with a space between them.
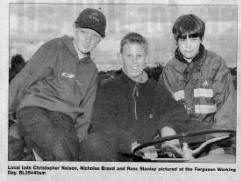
pixel 128 108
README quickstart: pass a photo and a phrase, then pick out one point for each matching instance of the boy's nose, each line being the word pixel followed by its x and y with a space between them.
pixel 134 59
pixel 188 42
pixel 88 36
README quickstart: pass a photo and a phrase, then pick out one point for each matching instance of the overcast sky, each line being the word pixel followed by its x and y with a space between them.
pixel 33 24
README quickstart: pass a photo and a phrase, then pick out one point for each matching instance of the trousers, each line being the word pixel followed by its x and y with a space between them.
pixel 106 147
pixel 51 134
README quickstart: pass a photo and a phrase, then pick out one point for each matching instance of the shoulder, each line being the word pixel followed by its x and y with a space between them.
pixel 47 52
pixel 171 63
pixel 151 84
pixel 109 84
pixel 116 80
pixel 51 45
pixel 162 92
pixel 161 87
pixel 214 57
pixel 107 90
pixel 94 68
pixel 57 42
pixel 215 61
pixel 174 66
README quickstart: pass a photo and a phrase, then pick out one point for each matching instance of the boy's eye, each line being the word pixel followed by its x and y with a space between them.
pixel 82 31
pixel 193 35
pixel 183 37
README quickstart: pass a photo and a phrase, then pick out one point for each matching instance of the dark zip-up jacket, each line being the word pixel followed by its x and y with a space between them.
pixel 139 109
pixel 56 79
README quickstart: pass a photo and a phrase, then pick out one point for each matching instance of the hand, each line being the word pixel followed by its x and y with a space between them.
pixel 134 145
pixel 172 147
pixel 147 152
pixel 168 131
pixel 186 151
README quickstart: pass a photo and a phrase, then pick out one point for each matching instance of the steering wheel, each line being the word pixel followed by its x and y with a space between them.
pixel 190 154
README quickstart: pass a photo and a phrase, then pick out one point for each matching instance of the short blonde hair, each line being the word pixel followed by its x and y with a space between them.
pixel 133 37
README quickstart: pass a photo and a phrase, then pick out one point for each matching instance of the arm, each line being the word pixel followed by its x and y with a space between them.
pixel 225 99
pixel 171 113
pixel 83 122
pixel 40 65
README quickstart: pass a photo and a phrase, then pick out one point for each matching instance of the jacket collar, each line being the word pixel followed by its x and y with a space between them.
pixel 194 66
pixel 197 60
pixel 129 81
pixel 69 44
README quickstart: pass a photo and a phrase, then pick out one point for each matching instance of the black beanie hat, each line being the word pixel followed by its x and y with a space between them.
pixel 92 19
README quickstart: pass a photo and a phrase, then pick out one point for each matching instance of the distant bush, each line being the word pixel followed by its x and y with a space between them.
pixel 17 63
pixel 154 72
pixel 234 76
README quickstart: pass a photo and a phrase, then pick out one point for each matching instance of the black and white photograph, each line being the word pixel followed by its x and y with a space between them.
pixel 130 90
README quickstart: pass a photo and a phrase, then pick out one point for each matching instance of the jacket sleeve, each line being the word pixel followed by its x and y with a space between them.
pixel 39 66
pixel 225 98
pixel 106 113
pixel 170 112
pixel 83 122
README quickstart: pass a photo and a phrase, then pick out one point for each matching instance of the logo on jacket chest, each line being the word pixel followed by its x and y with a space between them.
pixel 205 83
pixel 68 75
pixel 72 76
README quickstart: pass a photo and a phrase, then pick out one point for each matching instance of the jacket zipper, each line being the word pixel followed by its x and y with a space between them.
pixel 133 96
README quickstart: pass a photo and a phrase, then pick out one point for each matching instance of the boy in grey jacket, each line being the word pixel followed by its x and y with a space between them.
pixel 54 94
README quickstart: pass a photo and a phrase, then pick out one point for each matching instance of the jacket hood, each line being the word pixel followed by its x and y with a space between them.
pixel 68 43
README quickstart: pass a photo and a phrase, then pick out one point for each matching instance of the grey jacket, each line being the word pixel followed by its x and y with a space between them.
pixel 56 79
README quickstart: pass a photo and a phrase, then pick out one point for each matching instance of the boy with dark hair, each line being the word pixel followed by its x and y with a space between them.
pixel 128 108
pixel 53 95
pixel 199 79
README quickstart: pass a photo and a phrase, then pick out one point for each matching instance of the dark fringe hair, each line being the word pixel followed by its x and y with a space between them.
pixel 187 24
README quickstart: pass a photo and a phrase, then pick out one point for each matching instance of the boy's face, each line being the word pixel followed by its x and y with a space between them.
pixel 133 59
pixel 189 45
pixel 86 39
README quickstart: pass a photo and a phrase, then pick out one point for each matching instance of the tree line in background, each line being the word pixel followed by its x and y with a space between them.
pixel 18 62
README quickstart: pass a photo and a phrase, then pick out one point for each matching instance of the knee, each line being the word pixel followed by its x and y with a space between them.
pixel 61 153
pixel 55 150
pixel 92 142
pixel 15 149
pixel 95 148
pixel 64 150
